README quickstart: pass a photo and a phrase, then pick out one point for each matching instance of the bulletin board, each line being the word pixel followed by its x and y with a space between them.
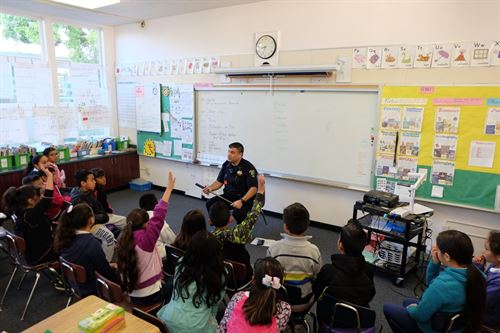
pixel 177 136
pixel 450 132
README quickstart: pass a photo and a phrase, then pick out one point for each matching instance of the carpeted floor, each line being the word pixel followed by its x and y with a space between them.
pixel 47 300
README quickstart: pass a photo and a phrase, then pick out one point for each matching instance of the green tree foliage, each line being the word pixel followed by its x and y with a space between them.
pixel 83 44
pixel 19 28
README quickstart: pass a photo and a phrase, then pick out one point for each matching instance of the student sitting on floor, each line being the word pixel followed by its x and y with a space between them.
pixel 59 175
pixel 36 164
pixel 101 196
pixel 138 258
pixel 491 256
pixel 102 229
pixel 459 287
pixel 28 207
pixel 193 221
pixel 234 239
pixel 199 286
pixel 300 259
pixel 148 202
pixel 262 309
pixel 348 278
pixel 59 202
pixel 74 242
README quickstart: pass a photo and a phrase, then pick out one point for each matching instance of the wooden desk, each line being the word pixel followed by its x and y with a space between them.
pixel 66 321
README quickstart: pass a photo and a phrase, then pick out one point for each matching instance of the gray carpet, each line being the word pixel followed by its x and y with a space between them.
pixel 47 300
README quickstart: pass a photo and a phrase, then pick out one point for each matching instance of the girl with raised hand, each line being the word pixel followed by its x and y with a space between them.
pixel 138 259
pixel 261 309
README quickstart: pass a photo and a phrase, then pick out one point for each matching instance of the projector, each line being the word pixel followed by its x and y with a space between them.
pixel 379 198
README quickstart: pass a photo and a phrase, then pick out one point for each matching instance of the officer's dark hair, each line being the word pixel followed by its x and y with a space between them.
pixel 353 238
pixel 238 146
pixel 219 214
pixel 296 218
pixel 82 176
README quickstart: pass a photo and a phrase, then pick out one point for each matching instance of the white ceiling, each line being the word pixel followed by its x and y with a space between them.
pixel 127 11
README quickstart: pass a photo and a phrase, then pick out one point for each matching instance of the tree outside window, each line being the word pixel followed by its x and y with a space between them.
pixel 79 45
pixel 19 35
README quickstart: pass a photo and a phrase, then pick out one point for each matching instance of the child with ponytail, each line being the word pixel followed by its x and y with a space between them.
pixel 261 309
pixel 36 164
pixel 459 287
pixel 138 260
pixel 28 206
pixel 75 243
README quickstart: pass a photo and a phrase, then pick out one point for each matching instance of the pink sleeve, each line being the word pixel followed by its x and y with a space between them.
pixel 148 238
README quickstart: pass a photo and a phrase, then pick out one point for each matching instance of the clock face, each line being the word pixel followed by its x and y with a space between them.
pixel 265 46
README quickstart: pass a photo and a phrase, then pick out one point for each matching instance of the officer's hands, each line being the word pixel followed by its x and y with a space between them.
pixel 237 204
pixel 206 190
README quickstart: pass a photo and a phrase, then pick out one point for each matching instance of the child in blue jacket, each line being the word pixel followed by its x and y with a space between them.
pixel 459 287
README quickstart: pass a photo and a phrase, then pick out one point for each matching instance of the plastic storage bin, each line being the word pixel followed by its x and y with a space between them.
pixel 21 159
pixel 121 144
pixel 140 185
pixel 6 162
pixel 63 154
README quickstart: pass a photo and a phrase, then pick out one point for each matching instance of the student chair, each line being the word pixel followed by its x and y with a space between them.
pixel 150 319
pixel 173 255
pixel 113 293
pixel 74 275
pixel 445 322
pixel 347 317
pixel 237 273
pixel 300 310
pixel 16 247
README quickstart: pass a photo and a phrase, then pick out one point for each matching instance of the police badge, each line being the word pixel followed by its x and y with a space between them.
pixel 239 173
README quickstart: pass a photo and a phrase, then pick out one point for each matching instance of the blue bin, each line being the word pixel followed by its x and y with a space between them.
pixel 140 185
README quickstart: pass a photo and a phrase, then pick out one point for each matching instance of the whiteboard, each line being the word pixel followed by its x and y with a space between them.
pixel 321 136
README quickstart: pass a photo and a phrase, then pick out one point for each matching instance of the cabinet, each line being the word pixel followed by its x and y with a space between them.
pixel 119 169
pixel 398 234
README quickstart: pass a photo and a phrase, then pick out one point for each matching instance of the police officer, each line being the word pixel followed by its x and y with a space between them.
pixel 239 178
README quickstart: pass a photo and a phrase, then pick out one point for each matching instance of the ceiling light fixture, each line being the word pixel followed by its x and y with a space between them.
pixel 89 4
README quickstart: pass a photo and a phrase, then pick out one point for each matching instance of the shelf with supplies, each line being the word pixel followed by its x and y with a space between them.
pixel 398 241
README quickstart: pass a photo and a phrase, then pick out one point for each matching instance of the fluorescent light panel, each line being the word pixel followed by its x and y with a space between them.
pixel 89 4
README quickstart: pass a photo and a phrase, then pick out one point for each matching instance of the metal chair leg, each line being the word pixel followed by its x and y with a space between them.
pixel 8 285
pixel 31 294
pixel 22 279
pixel 70 298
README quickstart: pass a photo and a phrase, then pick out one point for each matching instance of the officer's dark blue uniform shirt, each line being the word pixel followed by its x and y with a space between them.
pixel 237 179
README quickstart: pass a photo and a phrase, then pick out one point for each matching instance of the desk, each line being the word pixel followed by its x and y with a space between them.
pixel 66 321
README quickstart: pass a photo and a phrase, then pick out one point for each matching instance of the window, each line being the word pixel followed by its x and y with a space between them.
pixel 20 35
pixel 34 108
pixel 76 44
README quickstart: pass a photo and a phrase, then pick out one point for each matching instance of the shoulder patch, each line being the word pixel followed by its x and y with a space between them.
pixel 252 173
